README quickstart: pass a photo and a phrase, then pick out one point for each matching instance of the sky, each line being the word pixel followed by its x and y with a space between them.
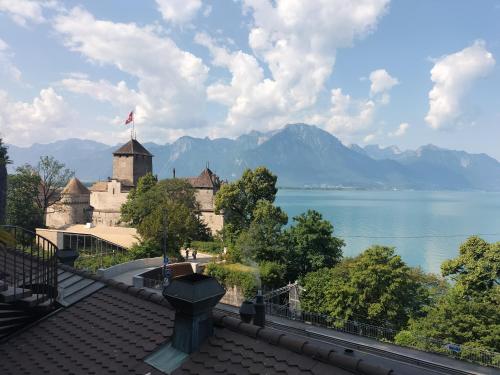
pixel 398 72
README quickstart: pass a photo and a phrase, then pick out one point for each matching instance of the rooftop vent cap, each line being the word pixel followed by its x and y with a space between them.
pixel 193 298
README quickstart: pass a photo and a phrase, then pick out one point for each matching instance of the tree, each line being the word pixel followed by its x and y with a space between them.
pixel 4 160
pixel 311 245
pixel 238 199
pixel 468 313
pixel 53 177
pixel 22 192
pixel 375 287
pixel 169 204
pixel 477 268
pixel 262 241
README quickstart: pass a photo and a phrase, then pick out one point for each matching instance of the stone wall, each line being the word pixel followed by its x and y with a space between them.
pixel 107 204
pixel 130 168
pixel 233 297
pixel 214 222
pixel 205 198
pixel 70 210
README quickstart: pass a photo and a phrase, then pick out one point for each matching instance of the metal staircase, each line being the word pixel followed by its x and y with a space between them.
pixel 28 279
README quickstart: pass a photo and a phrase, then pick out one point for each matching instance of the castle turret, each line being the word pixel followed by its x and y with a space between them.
pixel 130 162
pixel 72 208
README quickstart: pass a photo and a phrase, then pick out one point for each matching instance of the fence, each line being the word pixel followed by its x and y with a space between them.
pixel 475 355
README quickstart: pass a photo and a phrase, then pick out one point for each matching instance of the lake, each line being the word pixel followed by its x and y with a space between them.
pixel 425 227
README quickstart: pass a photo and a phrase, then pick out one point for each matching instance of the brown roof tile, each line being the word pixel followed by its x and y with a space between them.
pixel 206 179
pixel 75 187
pixel 132 147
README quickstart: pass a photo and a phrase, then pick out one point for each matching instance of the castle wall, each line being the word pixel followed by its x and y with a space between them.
pixel 205 198
pixel 107 204
pixel 129 168
pixel 70 210
pixel 214 222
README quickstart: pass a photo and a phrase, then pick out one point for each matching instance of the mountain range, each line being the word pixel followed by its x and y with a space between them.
pixel 300 155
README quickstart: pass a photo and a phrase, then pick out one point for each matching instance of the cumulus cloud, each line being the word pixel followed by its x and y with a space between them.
pixel 170 81
pixel 381 82
pixel 7 68
pixel 400 131
pixel 179 11
pixel 24 11
pixel 23 122
pixel 297 42
pixel 452 76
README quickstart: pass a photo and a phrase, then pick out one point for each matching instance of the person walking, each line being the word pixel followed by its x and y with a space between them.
pixel 187 253
pixel 194 253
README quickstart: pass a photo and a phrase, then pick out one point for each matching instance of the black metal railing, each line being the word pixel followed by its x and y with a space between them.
pixel 30 262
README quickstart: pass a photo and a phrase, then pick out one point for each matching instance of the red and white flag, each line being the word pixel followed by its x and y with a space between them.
pixel 130 118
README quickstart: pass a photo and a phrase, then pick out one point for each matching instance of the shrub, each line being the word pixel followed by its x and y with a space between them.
pixel 209 247
pixel 239 275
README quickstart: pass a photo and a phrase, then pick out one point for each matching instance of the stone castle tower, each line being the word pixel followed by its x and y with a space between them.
pixel 130 162
pixel 73 208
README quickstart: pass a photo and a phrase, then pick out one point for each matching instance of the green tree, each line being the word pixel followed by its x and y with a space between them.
pixel 22 192
pixel 262 241
pixel 238 199
pixel 468 313
pixel 477 267
pixel 169 204
pixel 311 245
pixel 375 287
pixel 4 160
pixel 272 274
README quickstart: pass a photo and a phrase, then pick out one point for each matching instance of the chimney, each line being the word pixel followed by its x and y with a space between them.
pixel 193 298
pixel 174 172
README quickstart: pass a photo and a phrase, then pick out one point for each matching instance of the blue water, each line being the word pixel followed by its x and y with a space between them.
pixel 426 215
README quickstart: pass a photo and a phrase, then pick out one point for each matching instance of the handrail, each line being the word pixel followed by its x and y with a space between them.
pixel 30 264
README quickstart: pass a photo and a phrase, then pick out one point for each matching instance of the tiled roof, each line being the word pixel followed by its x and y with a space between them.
pixel 206 179
pixel 75 187
pixel 99 186
pixel 117 327
pixel 132 147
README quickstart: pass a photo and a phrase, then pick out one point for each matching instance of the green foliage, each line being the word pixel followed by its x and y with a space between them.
pixel 239 199
pixel 146 249
pixel 477 268
pixel 468 313
pixel 208 247
pixel 238 275
pixel 311 245
pixel 93 262
pixel 22 193
pixel 169 204
pixel 374 287
pixel 272 274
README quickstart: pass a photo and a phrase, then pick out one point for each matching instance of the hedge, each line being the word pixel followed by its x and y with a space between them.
pixel 235 274
pixel 209 247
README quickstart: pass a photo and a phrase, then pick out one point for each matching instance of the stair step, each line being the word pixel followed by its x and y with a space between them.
pixel 13 320
pixel 69 281
pixel 8 313
pixel 32 301
pixel 3 285
pixel 14 294
pixel 4 330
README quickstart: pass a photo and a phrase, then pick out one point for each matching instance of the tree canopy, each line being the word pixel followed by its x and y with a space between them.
pixel 311 245
pixel 375 287
pixel 168 204
pixel 238 199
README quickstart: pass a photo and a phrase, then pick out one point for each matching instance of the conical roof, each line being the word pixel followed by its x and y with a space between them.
pixel 75 187
pixel 132 147
pixel 206 179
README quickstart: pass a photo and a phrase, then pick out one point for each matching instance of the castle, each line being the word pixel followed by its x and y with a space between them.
pixel 101 204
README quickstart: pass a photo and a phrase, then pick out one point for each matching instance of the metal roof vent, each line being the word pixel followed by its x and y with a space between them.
pixel 193 297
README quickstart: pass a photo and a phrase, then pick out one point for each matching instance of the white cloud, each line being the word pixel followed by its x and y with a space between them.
pixel 179 11
pixel 297 41
pixel 170 81
pixel 24 11
pixel 381 82
pixel 46 118
pixel 369 138
pixel 7 68
pixel 453 75
pixel 400 131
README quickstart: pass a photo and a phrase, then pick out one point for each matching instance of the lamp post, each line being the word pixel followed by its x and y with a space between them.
pixel 166 271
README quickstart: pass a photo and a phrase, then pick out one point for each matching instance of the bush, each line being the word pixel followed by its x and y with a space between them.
pixel 239 275
pixel 209 247
pixel 145 249
pixel 93 262
pixel 272 274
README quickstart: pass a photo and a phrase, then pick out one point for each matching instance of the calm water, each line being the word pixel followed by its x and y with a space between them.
pixel 428 215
